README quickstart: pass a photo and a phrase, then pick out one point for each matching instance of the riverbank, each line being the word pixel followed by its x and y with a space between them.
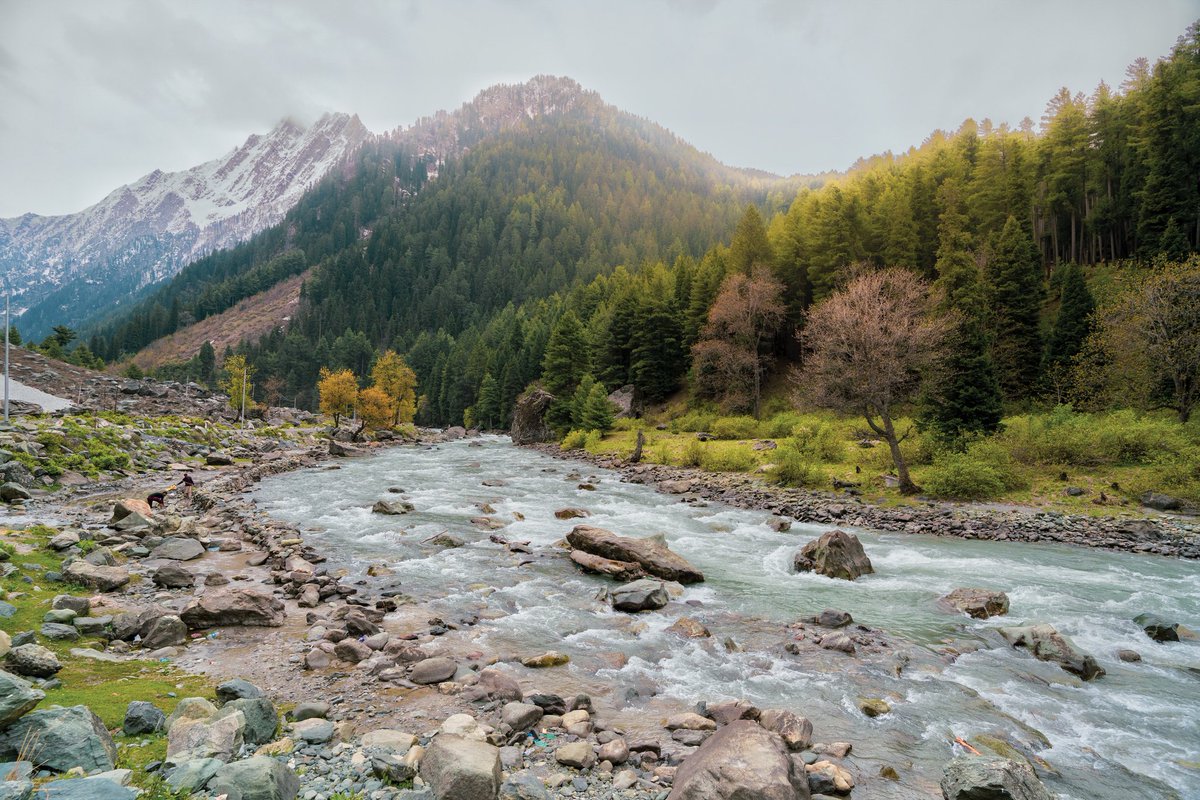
pixel 1172 537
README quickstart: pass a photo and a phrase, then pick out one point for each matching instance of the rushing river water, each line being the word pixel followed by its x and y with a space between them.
pixel 1133 733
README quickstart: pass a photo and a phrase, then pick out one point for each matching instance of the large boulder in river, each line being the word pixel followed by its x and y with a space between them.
pixel 1157 628
pixel 59 739
pixel 617 570
pixel 741 760
pixel 461 769
pixel 640 595
pixel 529 417
pixel 233 607
pixel 991 778
pixel 837 554
pixel 652 555
pixel 1047 644
pixel 977 603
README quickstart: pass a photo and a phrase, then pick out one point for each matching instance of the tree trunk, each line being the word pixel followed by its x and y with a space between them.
pixel 888 432
pixel 636 458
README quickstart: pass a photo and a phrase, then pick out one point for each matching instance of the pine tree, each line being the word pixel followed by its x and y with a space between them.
pixel 207 358
pixel 1073 323
pixel 596 414
pixel 1015 298
pixel 566 358
pixel 749 245
pixel 1173 244
pixel 658 354
pixel 487 403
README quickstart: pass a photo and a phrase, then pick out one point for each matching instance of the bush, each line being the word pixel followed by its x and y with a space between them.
pixel 984 470
pixel 734 428
pixel 693 421
pixel 591 442
pixel 574 440
pixel 1066 437
pixel 819 441
pixel 793 468
pixel 727 459
pixel 693 454
pixel 780 425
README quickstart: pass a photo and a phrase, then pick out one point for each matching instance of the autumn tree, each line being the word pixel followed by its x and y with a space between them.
pixel 398 383
pixel 732 355
pixel 338 392
pixel 238 383
pixel 375 407
pixel 868 347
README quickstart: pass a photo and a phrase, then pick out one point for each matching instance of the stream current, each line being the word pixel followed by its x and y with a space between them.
pixel 1132 733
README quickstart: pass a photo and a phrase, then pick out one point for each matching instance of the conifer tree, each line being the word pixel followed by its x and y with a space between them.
pixel 487 403
pixel 596 414
pixel 749 245
pixel 1015 299
pixel 566 358
pixel 658 354
pixel 1073 323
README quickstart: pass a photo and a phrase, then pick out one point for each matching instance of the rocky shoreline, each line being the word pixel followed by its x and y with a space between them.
pixel 1158 536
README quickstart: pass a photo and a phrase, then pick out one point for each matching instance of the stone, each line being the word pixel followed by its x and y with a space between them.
pixel 191 708
pixel 58 632
pixel 191 775
pixel 599 565
pixel 833 618
pixel 189 738
pixel 32 661
pixel 97 788
pixel 80 605
pixel 1047 644
pixel 63 616
pixel 495 685
pixel 218 460
pixel 836 554
pixel 571 513
pixel 143 717
pixel 233 607
pixel 1129 656
pixel 523 785
pixel 433 670
pixel 64 540
pixel 311 710
pixel 873 706
pixel 639 595
pixel 261 718
pixel 93 626
pixel 690 721
pixel 237 689
pixel 529 418
pixel 5 643
pixel 615 751
pixel 551 658
pixel 1161 502
pixel 796 731
pixel 388 739
pixel 12 492
pixel 17 789
pixel 728 711
pixel 991 778
pixel 395 507
pixel 1157 628
pixel 59 739
pixel 520 716
pixel 130 505
pixel 178 548
pixel 741 760
pixel 826 777
pixel 166 631
pixel 976 603
pixel 352 650
pixel 461 769
pixel 17 698
pixel 653 556
pixel 576 754
pixel 313 731
pixel 104 579
pixel 689 629
pixel 255 778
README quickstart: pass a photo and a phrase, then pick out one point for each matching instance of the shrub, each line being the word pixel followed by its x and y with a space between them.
pixel 693 421
pixel 1066 437
pixel 727 459
pixel 693 454
pixel 591 441
pixel 819 441
pixel 983 470
pixel 574 440
pixel 780 425
pixel 734 428
pixel 794 468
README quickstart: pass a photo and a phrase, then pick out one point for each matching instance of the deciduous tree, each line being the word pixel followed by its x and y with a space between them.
pixel 868 348
pixel 375 407
pixel 238 384
pixel 338 392
pixel 398 383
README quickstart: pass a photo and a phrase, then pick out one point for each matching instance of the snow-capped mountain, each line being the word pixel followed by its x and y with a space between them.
pixel 64 269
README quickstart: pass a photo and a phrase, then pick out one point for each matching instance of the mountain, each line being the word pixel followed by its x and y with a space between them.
pixel 67 268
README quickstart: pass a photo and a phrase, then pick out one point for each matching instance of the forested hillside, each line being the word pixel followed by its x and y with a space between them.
pixel 589 246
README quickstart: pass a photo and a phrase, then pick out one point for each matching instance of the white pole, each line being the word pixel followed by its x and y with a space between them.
pixel 245 369
pixel 7 325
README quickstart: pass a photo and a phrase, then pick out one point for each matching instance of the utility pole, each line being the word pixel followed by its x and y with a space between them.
pixel 7 326
pixel 245 369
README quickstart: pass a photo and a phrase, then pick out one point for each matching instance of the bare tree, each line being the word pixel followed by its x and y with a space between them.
pixel 868 347
pixel 729 358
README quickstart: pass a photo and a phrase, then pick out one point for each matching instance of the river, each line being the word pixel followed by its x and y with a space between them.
pixel 1133 732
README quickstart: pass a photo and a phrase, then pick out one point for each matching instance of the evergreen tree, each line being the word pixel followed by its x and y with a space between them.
pixel 487 404
pixel 207 363
pixel 749 245
pixel 1015 298
pixel 596 412
pixel 566 358
pixel 1173 244
pixel 658 355
pixel 1073 323
pixel 14 336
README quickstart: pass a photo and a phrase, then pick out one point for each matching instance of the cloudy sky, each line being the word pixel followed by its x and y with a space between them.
pixel 95 94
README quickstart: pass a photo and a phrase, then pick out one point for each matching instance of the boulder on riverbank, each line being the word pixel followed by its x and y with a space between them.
pixel 979 777
pixel 653 556
pixel 1047 644
pixel 976 603
pixel 836 554
pixel 457 768
pixel 529 417
pixel 60 739
pixel 17 697
pixel 743 759
pixel 233 607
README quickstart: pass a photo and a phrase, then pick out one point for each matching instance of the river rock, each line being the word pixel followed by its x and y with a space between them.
pixel 314 731
pixel 617 570
pixel 1157 628
pixel 461 769
pixel 80 605
pixel 576 754
pixel 352 650
pixel 5 643
pixel 56 631
pixel 32 661
pixel 394 507
pixel 653 556
pixel 211 737
pixel 873 706
pixel 237 689
pixel 741 760
pixel 233 607
pixel 99 787
pixel 17 698
pixel 255 778
pixel 571 513
pixel 178 548
pixel 433 670
pixel 689 629
pixel 12 492
pixel 189 776
pixel 388 739
pixel 130 505
pixel 1047 644
pixel 143 717
pixel 551 658
pixel 261 718
pixel 60 739
pixel 64 540
pixel 529 417
pixel 640 595
pixel 104 579
pixel 494 685
pixel 1161 502
pixel 976 603
pixel 166 631
pixel 990 778
pixel 520 716
pixel 796 731
pixel 836 554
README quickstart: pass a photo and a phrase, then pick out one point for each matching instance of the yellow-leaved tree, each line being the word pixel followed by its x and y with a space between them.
pixel 375 408
pixel 338 391
pixel 399 383
pixel 238 383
